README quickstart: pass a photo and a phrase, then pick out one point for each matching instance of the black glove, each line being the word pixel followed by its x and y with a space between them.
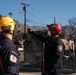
pixel 30 30
pixel 25 36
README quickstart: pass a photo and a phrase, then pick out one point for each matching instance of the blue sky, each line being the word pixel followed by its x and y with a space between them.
pixel 40 12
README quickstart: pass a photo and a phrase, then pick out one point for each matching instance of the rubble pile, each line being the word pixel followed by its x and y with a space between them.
pixel 33 51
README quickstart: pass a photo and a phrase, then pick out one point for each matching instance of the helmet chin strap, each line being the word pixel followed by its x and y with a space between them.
pixel 11 32
pixel 8 32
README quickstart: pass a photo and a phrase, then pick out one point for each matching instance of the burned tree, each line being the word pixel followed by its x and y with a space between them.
pixel 72 28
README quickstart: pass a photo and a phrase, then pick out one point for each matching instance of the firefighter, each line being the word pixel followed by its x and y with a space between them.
pixel 8 53
pixel 54 49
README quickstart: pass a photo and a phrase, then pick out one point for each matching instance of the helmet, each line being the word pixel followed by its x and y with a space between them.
pixel 55 27
pixel 6 23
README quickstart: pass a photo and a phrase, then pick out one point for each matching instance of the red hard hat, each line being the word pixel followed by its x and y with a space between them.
pixel 55 27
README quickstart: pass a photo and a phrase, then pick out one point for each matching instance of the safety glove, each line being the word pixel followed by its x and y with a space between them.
pixel 25 36
pixel 30 30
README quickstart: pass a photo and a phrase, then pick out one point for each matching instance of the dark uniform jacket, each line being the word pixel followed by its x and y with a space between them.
pixel 54 49
pixel 8 57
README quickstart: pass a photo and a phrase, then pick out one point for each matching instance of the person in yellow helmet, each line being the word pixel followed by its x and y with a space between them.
pixel 8 53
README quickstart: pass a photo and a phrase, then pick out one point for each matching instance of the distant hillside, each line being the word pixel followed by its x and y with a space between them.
pixel 20 26
pixel 46 28
pixel 40 27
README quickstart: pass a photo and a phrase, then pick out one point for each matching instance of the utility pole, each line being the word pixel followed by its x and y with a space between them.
pixel 24 8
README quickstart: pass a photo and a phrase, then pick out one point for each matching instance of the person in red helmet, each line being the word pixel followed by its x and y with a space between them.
pixel 55 27
pixel 53 51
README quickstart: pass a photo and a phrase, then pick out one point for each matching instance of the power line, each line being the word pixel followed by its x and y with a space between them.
pixel 20 15
pixel 35 17
pixel 38 11
pixel 35 22
pixel 17 9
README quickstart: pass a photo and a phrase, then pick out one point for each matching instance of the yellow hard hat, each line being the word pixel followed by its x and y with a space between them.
pixel 6 23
